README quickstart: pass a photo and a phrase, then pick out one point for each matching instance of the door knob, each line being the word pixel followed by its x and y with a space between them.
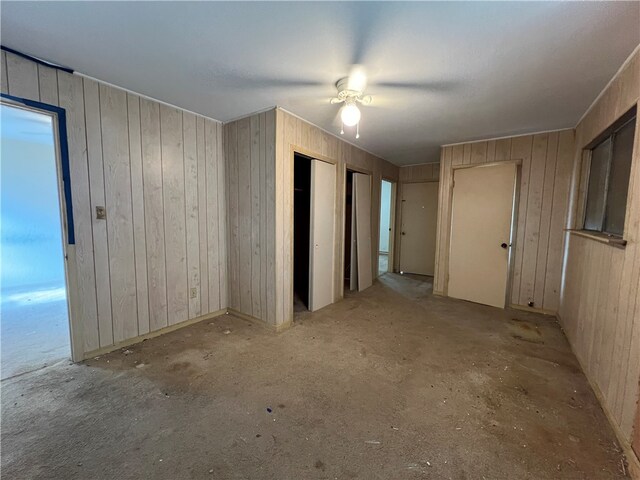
pixel 403 233
pixel 504 245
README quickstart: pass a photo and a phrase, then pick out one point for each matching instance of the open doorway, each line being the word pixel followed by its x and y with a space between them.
pixel 33 292
pixel 385 242
pixel 301 230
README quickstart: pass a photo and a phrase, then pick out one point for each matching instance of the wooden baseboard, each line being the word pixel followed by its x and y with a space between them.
pixel 633 463
pixel 155 333
pixel 252 319
pixel 526 308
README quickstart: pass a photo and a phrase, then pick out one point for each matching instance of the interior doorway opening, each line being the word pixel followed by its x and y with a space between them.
pixel 385 244
pixel 33 294
pixel 301 230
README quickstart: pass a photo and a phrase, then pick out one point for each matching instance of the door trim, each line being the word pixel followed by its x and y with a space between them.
pixel 514 222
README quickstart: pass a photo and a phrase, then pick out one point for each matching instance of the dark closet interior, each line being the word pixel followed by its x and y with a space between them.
pixel 301 230
pixel 347 228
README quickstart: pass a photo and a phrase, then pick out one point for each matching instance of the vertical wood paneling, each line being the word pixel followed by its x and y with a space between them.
pixel 117 182
pixel 599 308
pixel 280 190
pixel 231 149
pixel 191 211
pixel 99 227
pixel 270 181
pixel 221 217
pixel 22 78
pixel 545 219
pixel 137 199
pixel 174 214
pixel 244 213
pixel 203 209
pixel 521 150
pixel 215 192
pixel 166 218
pixel 544 184
pixel 262 213
pixel 48 85
pixel 559 210
pixel 531 237
pixel 154 213
pixel 260 173
pixel 254 164
pixel 71 95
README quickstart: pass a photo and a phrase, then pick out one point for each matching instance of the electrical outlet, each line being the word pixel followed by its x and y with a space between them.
pixel 193 293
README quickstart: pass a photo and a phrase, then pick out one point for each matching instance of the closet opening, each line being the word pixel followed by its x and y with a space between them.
pixel 301 230
pixel 348 219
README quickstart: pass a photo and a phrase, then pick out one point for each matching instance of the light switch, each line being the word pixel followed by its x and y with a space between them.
pixel 101 213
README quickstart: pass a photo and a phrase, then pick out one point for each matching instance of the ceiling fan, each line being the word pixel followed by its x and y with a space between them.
pixel 351 92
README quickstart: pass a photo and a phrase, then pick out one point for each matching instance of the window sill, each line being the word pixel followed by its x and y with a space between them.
pixel 599 237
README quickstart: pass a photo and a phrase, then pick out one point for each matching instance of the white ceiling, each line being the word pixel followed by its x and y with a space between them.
pixel 466 70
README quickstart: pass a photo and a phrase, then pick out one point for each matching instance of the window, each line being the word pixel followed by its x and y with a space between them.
pixel 609 178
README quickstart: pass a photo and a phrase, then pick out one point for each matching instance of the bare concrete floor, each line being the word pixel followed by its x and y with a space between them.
pixel 391 383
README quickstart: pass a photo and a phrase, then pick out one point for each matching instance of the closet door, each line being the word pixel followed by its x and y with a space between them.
pixel 321 248
pixel 353 276
pixel 362 204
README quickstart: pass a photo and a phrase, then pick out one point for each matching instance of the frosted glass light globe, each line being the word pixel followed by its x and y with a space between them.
pixel 350 115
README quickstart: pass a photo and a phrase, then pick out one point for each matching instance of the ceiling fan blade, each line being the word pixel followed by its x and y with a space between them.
pixel 427 86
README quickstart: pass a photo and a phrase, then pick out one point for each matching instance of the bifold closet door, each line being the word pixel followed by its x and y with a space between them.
pixel 362 207
pixel 353 276
pixel 321 248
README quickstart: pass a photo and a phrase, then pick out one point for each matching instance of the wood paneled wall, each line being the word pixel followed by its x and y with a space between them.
pixel 250 158
pixel 292 133
pixel 259 154
pixel 159 172
pixel 545 176
pixel 600 304
pixel 426 172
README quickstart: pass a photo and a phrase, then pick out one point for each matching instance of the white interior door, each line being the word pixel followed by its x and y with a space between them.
pixel 321 248
pixel 419 222
pixel 482 213
pixel 362 203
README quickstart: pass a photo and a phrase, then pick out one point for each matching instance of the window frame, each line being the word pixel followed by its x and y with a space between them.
pixel 609 134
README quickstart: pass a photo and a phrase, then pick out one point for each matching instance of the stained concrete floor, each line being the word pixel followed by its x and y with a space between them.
pixel 390 383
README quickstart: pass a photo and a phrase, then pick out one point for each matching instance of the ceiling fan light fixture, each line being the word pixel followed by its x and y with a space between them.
pixel 350 114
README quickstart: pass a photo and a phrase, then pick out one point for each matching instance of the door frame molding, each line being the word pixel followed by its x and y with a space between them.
pixel 514 220
pixel 63 178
